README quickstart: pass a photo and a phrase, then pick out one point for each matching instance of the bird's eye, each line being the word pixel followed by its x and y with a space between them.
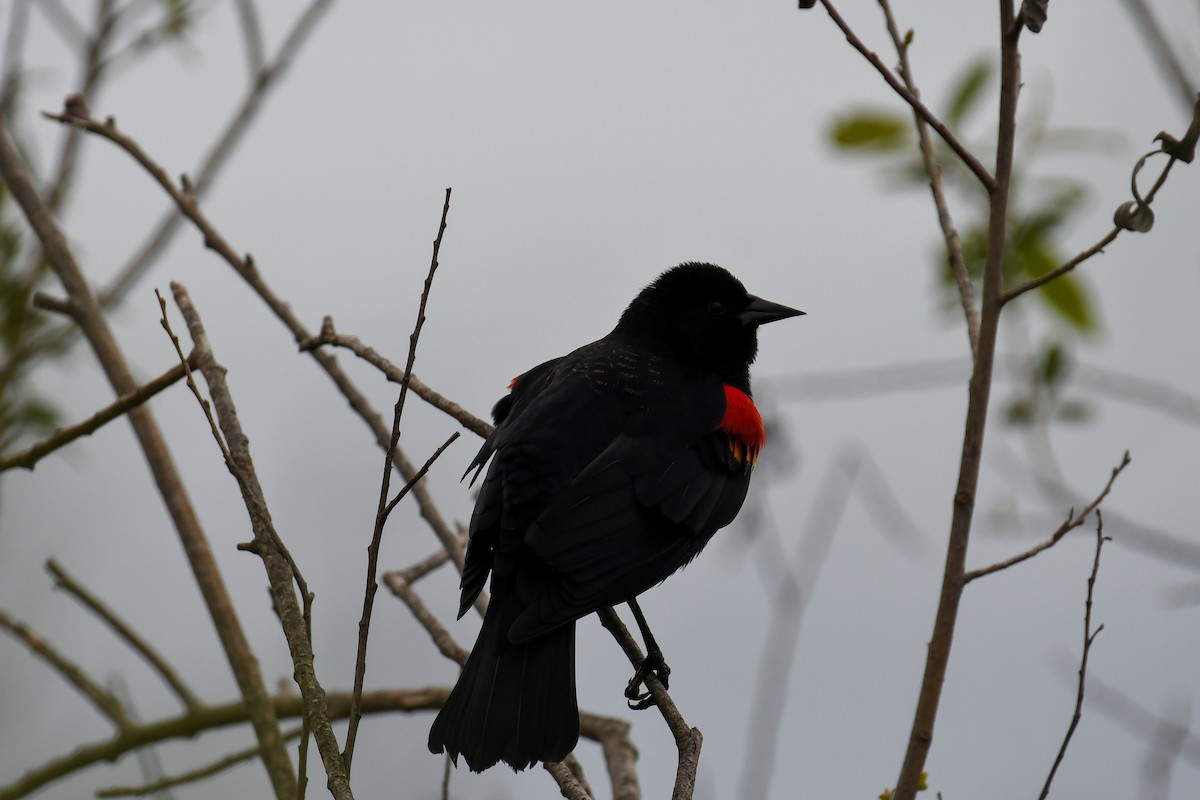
pixel 716 307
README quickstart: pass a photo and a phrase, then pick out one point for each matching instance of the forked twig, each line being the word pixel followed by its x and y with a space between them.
pixel 1072 522
pixel 1089 636
pixel 329 336
pixel 384 508
pixel 281 569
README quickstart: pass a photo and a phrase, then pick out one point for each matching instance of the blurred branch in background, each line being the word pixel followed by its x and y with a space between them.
pixel 1169 59
pixel 119 35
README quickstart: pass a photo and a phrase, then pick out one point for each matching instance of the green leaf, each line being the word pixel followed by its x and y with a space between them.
pixel 967 91
pixel 1074 411
pixel 1018 412
pixel 1053 366
pixel 869 129
pixel 1065 294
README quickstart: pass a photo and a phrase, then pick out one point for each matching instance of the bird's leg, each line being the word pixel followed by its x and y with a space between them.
pixel 652 664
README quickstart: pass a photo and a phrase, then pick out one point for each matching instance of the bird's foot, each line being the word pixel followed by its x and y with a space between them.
pixel 652 664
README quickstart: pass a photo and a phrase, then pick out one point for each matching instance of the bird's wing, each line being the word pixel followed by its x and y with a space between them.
pixel 638 512
pixel 510 483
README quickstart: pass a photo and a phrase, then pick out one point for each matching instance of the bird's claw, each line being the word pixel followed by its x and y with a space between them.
pixel 652 664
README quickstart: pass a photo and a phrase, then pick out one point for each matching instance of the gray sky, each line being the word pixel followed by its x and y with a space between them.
pixel 589 147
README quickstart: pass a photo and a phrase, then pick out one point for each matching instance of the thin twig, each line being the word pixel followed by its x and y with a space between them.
pixel 1072 522
pixel 384 508
pixel 67 583
pixel 431 562
pixel 252 37
pixel 281 569
pixel 420 473
pixel 102 699
pixel 423 567
pixel 688 740
pixel 1089 636
pixel 966 291
pixel 968 158
pixel 28 458
pixel 329 336
pixel 1097 248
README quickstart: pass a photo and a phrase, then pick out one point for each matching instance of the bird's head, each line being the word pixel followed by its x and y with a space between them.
pixel 703 315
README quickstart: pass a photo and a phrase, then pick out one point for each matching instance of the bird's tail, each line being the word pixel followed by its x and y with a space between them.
pixel 513 702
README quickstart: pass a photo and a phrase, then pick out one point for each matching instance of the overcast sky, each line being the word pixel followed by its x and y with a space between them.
pixel 590 146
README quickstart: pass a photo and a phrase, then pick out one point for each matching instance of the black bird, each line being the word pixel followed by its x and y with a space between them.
pixel 611 468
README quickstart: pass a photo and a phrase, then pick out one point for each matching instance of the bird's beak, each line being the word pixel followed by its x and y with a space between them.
pixel 760 312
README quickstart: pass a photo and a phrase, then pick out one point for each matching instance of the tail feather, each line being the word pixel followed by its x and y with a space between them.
pixel 513 702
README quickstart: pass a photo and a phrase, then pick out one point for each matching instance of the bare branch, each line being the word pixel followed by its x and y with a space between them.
pixel 281 569
pixel 329 336
pixel 27 459
pixel 103 700
pixel 571 788
pixel 1089 636
pixel 404 490
pixel 384 508
pixel 67 583
pixel 441 637
pixel 968 158
pixel 688 740
pixel 1071 523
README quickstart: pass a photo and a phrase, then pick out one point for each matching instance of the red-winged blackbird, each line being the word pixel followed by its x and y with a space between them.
pixel 613 466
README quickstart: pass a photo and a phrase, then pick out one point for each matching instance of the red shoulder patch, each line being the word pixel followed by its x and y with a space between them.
pixel 513 383
pixel 744 426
